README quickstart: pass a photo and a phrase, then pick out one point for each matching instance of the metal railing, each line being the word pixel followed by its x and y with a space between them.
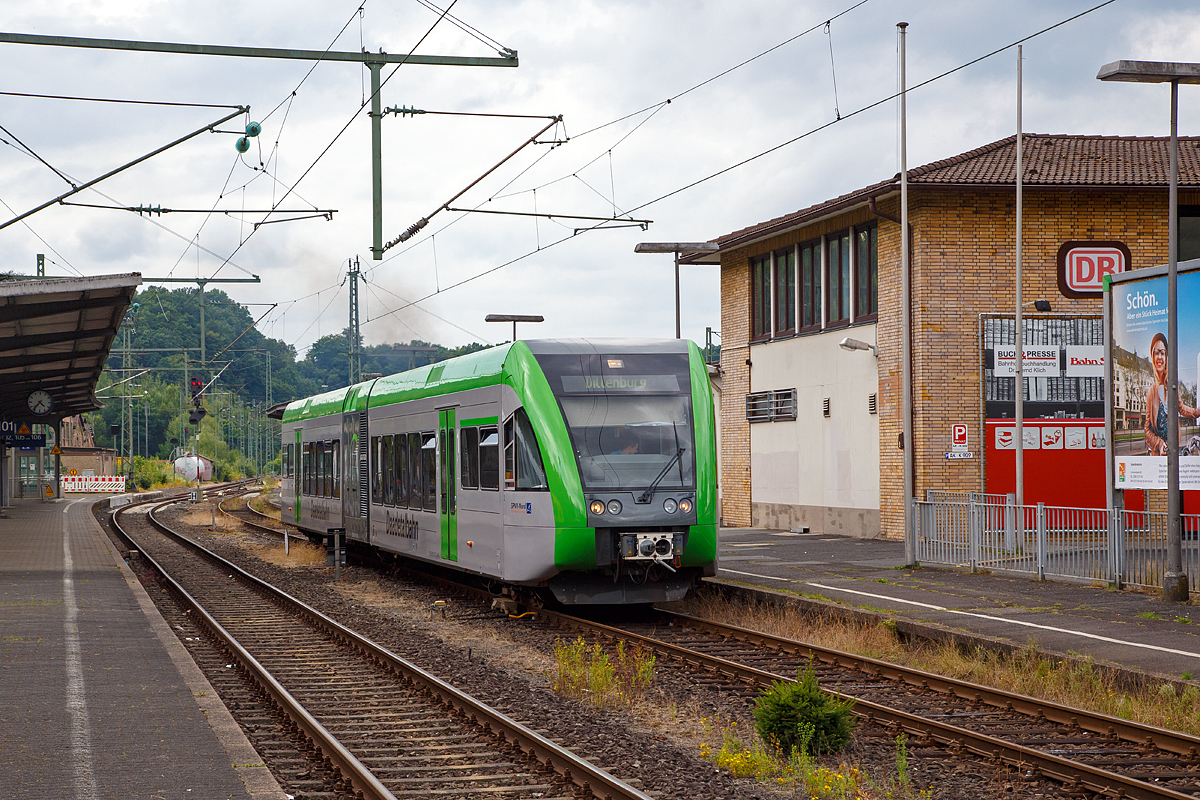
pixel 1128 548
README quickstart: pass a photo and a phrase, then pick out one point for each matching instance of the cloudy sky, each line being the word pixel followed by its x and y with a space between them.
pixel 596 63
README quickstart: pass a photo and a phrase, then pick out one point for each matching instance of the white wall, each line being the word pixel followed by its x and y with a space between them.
pixel 830 462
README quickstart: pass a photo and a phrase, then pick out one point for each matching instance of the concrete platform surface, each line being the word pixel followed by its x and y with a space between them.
pixel 1132 629
pixel 98 699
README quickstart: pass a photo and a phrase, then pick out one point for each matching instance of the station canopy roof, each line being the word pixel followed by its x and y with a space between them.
pixel 55 335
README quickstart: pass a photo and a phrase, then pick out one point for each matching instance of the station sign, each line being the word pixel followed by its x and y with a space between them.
pixel 1083 265
pixel 1037 361
pixel 25 440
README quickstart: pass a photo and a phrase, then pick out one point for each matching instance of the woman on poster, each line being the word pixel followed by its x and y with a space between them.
pixel 1156 400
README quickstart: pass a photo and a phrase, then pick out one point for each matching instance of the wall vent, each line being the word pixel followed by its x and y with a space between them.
pixel 872 404
pixel 825 406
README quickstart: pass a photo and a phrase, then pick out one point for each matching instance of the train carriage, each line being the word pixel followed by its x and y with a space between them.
pixel 582 468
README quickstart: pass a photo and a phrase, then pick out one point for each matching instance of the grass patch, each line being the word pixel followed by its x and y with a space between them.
pixel 1149 615
pixel 747 757
pixel 594 675
pixel 1028 671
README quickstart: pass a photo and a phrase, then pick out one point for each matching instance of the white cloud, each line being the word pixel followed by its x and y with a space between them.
pixel 590 61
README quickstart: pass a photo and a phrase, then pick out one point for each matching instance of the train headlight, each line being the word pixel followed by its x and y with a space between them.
pixel 670 506
pixel 596 507
pixel 685 505
pixel 614 507
pixel 646 548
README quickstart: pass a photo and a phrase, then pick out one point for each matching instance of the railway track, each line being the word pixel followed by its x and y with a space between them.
pixel 377 725
pixel 252 518
pixel 1083 751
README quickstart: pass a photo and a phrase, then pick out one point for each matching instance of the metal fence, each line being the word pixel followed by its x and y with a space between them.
pixel 975 531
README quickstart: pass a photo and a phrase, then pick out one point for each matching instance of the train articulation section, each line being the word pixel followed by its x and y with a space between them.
pixel 585 469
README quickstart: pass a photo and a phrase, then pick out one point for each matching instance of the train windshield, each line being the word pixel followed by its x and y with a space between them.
pixel 630 418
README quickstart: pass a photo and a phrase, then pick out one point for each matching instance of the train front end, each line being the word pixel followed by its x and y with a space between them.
pixel 639 416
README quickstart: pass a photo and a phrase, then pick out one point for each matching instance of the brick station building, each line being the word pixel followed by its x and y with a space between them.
pixel 810 431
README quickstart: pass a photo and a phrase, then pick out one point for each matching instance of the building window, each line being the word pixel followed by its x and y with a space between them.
pixel 776 406
pixel 785 291
pixel 867 273
pixel 810 285
pixel 839 277
pixel 760 297
pixel 1189 233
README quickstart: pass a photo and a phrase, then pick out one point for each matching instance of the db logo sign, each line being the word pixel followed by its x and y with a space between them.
pixel 1083 265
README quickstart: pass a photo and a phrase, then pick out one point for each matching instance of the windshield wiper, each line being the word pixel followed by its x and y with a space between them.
pixel 645 496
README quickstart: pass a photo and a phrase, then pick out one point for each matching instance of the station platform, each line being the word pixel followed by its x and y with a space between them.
pixel 98 698
pixel 1133 630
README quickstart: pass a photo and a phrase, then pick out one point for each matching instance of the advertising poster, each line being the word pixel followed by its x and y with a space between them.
pixel 1140 412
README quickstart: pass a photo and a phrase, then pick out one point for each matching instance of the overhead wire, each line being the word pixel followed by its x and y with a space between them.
pixel 759 155
pixel 723 73
pixel 466 28
pixel 115 100
pixel 343 129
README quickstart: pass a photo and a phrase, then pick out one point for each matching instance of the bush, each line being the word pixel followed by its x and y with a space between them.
pixel 786 713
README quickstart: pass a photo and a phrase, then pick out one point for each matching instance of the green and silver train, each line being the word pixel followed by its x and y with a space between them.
pixel 581 469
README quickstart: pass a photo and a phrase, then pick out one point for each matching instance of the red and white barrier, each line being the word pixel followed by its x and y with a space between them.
pixel 93 483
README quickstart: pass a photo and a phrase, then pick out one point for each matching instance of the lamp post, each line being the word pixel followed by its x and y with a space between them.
pixel 514 319
pixel 1175 585
pixel 677 248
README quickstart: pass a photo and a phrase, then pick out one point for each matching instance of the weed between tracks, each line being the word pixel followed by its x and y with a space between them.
pixel 620 679
pixel 1029 671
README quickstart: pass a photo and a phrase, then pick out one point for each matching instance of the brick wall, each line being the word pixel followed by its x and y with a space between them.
pixel 963 254
pixel 963 258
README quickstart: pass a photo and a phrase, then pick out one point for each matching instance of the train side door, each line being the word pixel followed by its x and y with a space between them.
pixel 447 480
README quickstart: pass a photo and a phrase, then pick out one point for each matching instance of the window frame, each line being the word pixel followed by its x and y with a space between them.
pixel 484 432
pixel 468 458
pixel 760 298
pixel 783 287
pixel 811 296
pixel 870 311
pixel 841 304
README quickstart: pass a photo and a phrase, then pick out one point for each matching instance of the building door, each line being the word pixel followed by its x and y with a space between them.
pixel 447 492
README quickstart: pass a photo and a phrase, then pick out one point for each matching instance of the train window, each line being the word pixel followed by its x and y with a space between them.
pixel 305 466
pixel 429 471
pixel 522 457
pixel 310 478
pixel 469 443
pixel 318 469
pixel 489 458
pixel 389 472
pixel 401 461
pixel 510 455
pixel 376 472
pixel 335 472
pixel 414 470
pixel 327 470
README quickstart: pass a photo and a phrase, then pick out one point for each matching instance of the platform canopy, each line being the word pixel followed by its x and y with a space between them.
pixel 55 335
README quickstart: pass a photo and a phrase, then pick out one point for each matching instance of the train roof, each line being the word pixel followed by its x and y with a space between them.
pixel 471 371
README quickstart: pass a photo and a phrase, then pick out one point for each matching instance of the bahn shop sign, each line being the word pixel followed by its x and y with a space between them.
pixel 1083 265
pixel 1037 361
pixel 19 433
pixel 1049 361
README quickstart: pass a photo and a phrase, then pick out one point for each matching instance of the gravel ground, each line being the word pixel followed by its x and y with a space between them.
pixel 507 663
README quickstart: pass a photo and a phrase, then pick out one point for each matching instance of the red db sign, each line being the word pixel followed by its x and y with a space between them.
pixel 1083 265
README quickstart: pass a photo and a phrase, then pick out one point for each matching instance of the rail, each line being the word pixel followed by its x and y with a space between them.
pixel 1073 774
pixel 586 776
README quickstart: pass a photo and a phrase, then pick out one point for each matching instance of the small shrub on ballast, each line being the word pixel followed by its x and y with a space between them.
pixel 785 714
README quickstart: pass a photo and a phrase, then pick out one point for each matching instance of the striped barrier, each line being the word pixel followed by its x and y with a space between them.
pixel 93 483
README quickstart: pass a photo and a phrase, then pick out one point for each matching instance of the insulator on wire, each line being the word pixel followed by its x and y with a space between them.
pixel 412 230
